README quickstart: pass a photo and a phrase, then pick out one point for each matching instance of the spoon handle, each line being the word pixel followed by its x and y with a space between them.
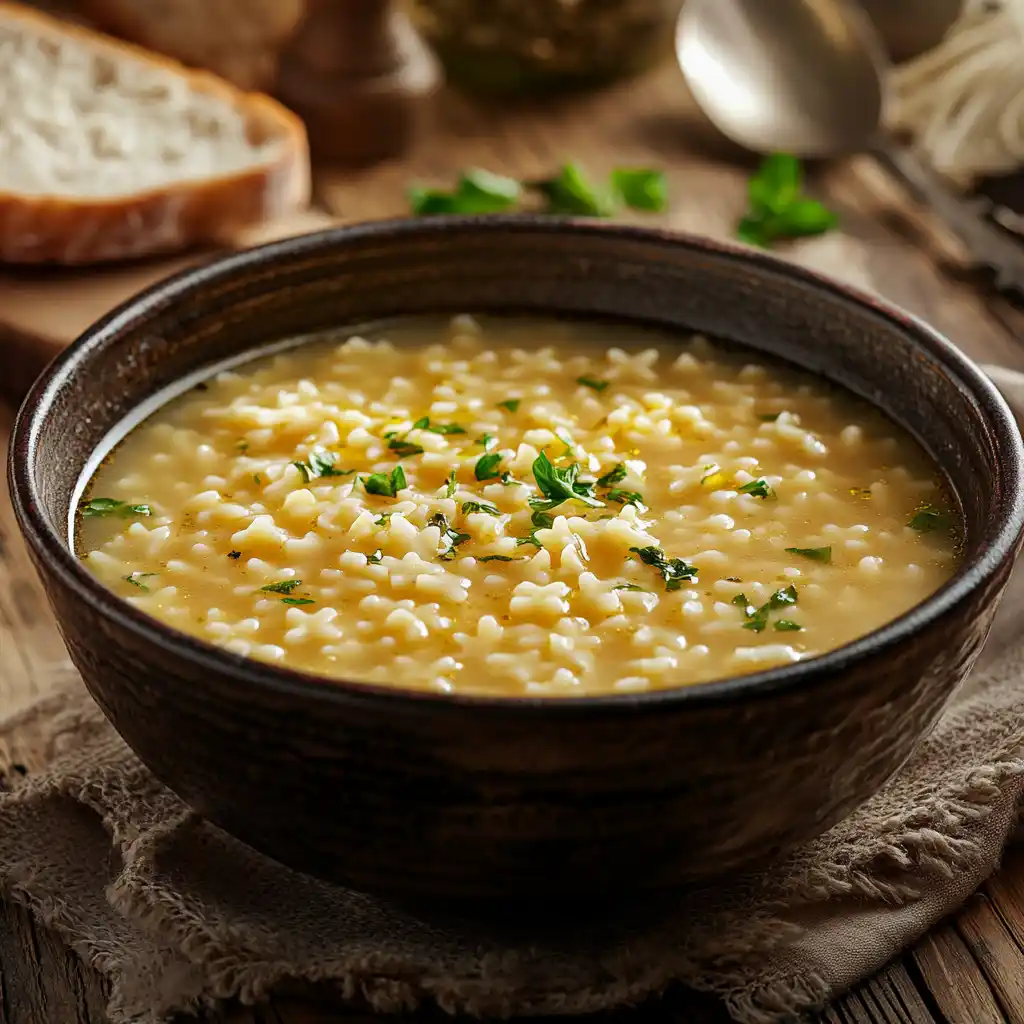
pixel 986 242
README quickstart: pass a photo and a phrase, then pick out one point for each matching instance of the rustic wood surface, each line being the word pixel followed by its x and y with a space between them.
pixel 969 970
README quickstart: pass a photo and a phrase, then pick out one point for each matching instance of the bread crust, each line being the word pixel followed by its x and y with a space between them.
pixel 67 230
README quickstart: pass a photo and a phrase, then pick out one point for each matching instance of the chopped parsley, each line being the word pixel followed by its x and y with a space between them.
pixel 479 506
pixel 375 558
pixel 641 188
pixel 297 600
pixel 769 417
pixel 477 191
pixel 507 480
pixel 498 558
pixel 788 626
pixel 235 555
pixel 823 555
pixel 320 464
pixel 450 537
pixel 487 442
pixel 257 479
pixel 437 428
pixel 487 466
pixel 532 539
pixel 384 484
pixel 283 587
pixel 758 488
pixel 403 449
pixel 928 519
pixel 631 586
pixel 135 579
pixel 593 383
pixel 627 498
pixel 613 476
pixel 451 484
pixel 559 485
pixel 777 207
pixel 112 507
pixel 757 618
pixel 674 571
pixel 242 446
pixel 542 520
pixel 570 193
pixel 512 404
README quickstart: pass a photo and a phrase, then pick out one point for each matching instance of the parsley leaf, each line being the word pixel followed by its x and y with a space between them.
pixel 235 555
pixel 297 600
pixel 320 464
pixel 675 572
pixel 788 626
pixel 631 586
pixel 385 485
pixel 508 480
pixel 777 209
pixel 571 193
pixel 542 520
pixel 479 506
pixel 757 619
pixel 403 448
pixel 488 441
pixel 283 587
pixel 927 519
pixel 512 404
pixel 641 188
pixel 823 555
pixel 558 485
pixel 450 537
pixel 498 558
pixel 627 498
pixel 613 476
pixel 437 428
pixel 593 383
pixel 375 558
pixel 758 488
pixel 135 579
pixel 451 484
pixel 487 466
pixel 478 191
pixel 112 507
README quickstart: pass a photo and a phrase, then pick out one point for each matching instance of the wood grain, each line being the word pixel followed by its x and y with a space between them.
pixel 967 971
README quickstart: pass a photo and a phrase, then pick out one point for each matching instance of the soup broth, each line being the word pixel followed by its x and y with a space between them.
pixel 519 508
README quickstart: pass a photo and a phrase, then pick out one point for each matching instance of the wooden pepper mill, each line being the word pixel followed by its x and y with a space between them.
pixel 360 77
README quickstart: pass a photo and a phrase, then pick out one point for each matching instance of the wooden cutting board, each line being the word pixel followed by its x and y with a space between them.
pixel 42 310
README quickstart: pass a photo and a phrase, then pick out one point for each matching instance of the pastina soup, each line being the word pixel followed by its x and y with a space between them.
pixel 519 507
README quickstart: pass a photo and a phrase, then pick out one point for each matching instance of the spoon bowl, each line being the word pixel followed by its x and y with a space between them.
pixel 800 76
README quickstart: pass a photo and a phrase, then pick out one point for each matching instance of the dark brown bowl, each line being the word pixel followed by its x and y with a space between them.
pixel 433 795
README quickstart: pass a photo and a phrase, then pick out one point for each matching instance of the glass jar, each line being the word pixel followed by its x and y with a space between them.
pixel 509 47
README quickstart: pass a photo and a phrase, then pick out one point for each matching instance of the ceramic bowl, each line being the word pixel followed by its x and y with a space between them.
pixel 433 795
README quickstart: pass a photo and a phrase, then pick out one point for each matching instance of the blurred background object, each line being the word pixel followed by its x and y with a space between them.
pixel 909 27
pixel 963 102
pixel 511 47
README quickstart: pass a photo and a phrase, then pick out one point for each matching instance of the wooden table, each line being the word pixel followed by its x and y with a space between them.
pixel 969 970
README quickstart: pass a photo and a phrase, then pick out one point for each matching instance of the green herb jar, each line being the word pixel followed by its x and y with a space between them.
pixel 519 47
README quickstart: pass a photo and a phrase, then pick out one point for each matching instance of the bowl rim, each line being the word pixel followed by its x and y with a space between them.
pixel 50 547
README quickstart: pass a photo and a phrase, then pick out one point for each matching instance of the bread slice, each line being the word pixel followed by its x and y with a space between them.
pixel 237 39
pixel 110 152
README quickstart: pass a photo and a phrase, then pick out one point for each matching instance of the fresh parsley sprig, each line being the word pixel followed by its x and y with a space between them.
pixel 674 571
pixel 96 507
pixel 321 464
pixel 386 485
pixel 568 192
pixel 559 485
pixel 777 207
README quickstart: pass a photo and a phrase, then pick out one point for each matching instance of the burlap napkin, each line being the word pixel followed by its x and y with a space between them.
pixel 179 916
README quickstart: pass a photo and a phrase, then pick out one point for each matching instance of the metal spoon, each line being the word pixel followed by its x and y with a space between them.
pixel 806 77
